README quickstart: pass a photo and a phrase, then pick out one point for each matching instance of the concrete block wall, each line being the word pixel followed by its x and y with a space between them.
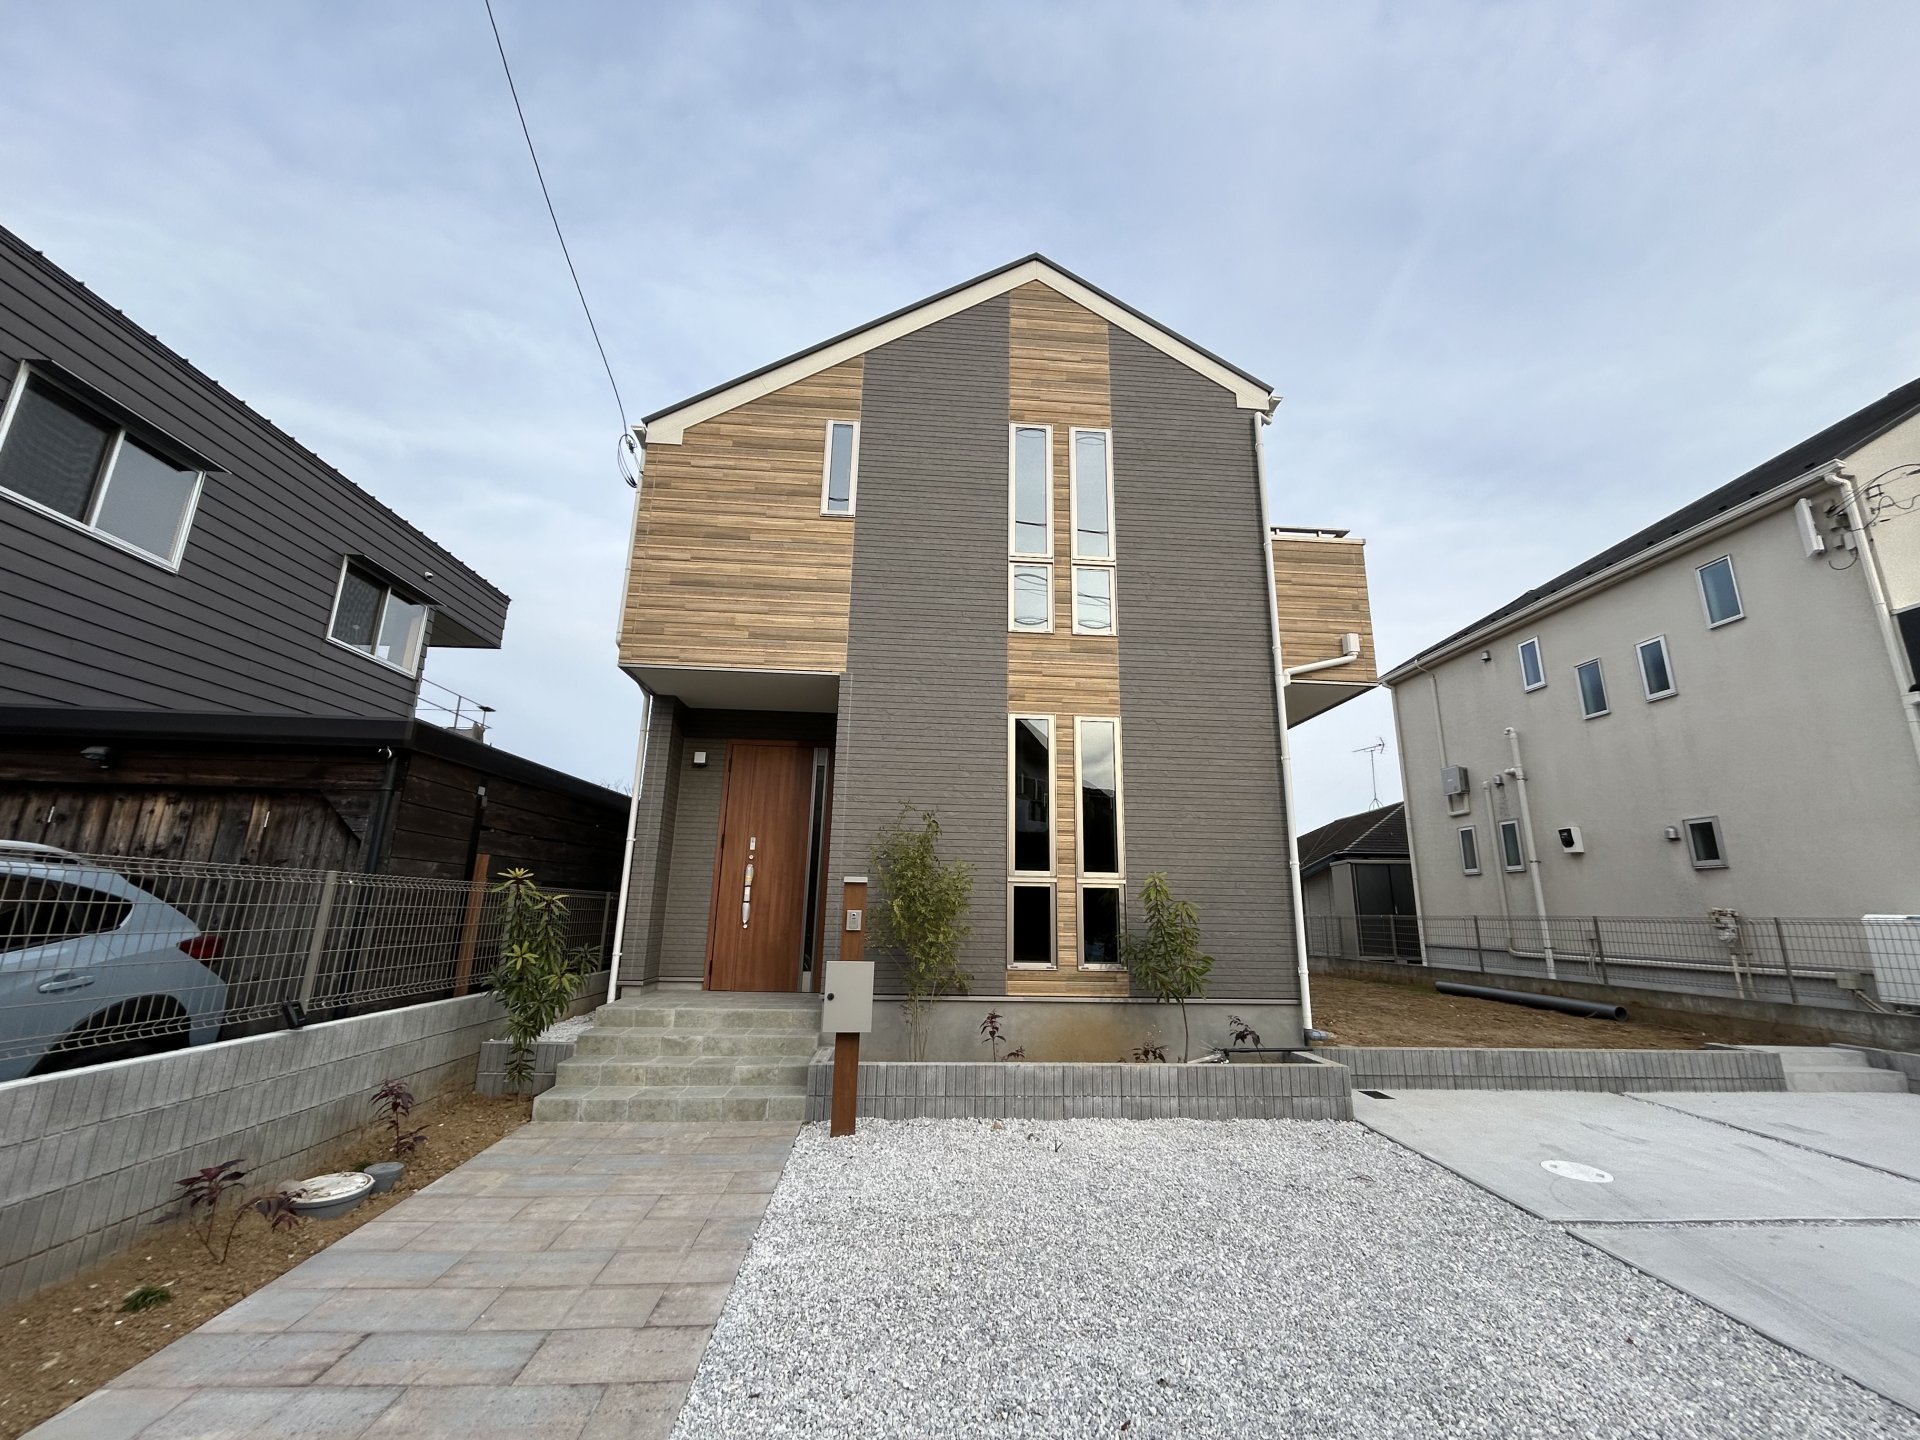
pixel 1614 1070
pixel 547 1055
pixel 906 1090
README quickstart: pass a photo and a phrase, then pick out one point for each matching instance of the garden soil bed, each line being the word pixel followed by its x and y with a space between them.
pixel 1378 1012
pixel 68 1341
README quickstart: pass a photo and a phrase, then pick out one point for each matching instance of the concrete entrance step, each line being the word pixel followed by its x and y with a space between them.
pixel 1831 1070
pixel 634 1042
pixel 779 1071
pixel 706 1010
pixel 671 1102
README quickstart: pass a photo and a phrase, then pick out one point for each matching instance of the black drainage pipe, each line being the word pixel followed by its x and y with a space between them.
pixel 1587 1009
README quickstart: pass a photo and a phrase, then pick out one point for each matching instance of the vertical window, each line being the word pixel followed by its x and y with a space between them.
pixel 1533 673
pixel 1030 598
pixel 1100 927
pixel 1031 518
pixel 373 618
pixel 1511 855
pixel 1092 600
pixel 840 475
pixel 1030 928
pixel 1909 623
pixel 1703 843
pixel 1030 823
pixel 1656 669
pixel 1593 689
pixel 1469 851
pixel 1720 592
pixel 58 455
pixel 1092 496
pixel 1097 764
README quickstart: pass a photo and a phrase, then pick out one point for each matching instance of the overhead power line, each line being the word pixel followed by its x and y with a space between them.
pixel 626 429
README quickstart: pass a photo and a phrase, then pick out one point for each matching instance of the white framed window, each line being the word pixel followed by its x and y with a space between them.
pixel 1031 934
pixel 1093 607
pixel 1656 668
pixel 63 457
pixel 1102 920
pixel 1030 491
pixel 1720 593
pixel 1030 782
pixel 1704 846
pixel 1090 476
pixel 1469 850
pixel 1030 598
pixel 840 469
pixel 374 619
pixel 1593 689
pixel 1099 817
pixel 1512 855
pixel 1533 670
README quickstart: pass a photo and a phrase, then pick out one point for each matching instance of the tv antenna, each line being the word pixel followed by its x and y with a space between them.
pixel 1373 752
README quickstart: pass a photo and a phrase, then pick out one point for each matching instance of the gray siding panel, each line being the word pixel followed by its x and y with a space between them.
pixel 242 626
pixel 650 816
pixel 1201 745
pixel 924 703
pixel 696 836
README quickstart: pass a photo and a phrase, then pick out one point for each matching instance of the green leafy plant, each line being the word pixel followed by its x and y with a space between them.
pixel 145 1298
pixel 994 1036
pixel 394 1100
pixel 1150 1051
pixel 1164 956
pixel 920 915
pixel 206 1189
pixel 1242 1033
pixel 539 973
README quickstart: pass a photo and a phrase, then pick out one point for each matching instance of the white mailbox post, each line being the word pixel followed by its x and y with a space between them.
pixel 848 1006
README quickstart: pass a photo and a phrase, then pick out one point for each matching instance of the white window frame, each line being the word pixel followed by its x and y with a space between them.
pixel 1666 658
pixel 86 525
pixel 1719 840
pixel 1539 663
pixel 1099 882
pixel 1581 691
pixel 1013 627
pixel 1113 601
pixel 1073 498
pixel 1053 794
pixel 1118 877
pixel 853 472
pixel 1036 882
pixel 1469 835
pixel 1512 827
pixel 387 593
pixel 1013 477
pixel 1706 608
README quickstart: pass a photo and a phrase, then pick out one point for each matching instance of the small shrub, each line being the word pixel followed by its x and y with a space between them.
pixel 993 1035
pixel 1152 1051
pixel 1165 959
pixel 538 972
pixel 394 1100
pixel 145 1298
pixel 207 1189
pixel 1241 1032
pixel 1019 1054
pixel 919 914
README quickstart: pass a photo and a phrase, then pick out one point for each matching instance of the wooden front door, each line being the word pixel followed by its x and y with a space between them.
pixel 757 924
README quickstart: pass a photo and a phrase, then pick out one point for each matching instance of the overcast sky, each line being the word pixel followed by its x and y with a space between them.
pixel 1527 275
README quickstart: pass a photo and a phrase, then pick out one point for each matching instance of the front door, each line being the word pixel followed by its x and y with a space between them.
pixel 757 925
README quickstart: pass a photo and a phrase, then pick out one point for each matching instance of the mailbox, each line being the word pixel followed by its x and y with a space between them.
pixel 848 998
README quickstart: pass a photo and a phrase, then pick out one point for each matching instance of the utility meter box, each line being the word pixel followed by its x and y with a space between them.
pixel 847 1001
pixel 1571 840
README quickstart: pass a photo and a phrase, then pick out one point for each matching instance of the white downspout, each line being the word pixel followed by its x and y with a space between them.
pixel 1882 612
pixel 1280 714
pixel 1519 774
pixel 626 858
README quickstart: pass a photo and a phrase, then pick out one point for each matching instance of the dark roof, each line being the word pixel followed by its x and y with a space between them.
pixel 1372 834
pixel 1141 315
pixel 1783 469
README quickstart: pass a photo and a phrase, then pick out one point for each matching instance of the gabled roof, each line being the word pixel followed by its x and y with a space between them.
pixel 1250 392
pixel 1371 835
pixel 1783 473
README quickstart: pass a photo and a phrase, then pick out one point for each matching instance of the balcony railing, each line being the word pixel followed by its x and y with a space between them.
pixel 450 710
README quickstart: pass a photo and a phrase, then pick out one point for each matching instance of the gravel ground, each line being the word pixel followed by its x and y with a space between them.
pixel 1178 1277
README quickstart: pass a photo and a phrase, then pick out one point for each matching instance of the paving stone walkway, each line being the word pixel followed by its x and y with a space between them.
pixel 562 1284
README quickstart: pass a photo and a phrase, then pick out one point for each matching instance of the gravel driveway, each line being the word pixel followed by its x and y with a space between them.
pixel 1177 1277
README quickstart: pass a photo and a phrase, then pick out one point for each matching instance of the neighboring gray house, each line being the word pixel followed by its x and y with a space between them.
pixel 1356 883
pixel 1717 713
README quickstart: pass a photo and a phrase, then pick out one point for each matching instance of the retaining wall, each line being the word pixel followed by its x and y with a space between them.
pixel 1020 1090
pixel 1614 1070
pixel 547 1055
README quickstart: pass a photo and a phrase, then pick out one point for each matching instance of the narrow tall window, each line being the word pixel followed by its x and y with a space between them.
pixel 1656 670
pixel 1030 823
pixel 1092 600
pixel 1593 689
pixel 1097 762
pixel 1720 592
pixel 1031 521
pixel 1030 598
pixel 371 617
pixel 1100 907
pixel 1469 851
pixel 1030 932
pixel 1511 855
pixel 1092 497
pixel 840 477
pixel 59 455
pixel 1703 843
pixel 1533 673
pixel 1909 622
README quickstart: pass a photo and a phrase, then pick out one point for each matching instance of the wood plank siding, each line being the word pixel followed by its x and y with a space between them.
pixel 1320 585
pixel 734 567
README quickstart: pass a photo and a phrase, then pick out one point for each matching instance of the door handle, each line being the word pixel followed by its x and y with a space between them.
pixel 746 887
pixel 65 980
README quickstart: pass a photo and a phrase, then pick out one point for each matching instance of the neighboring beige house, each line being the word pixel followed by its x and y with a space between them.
pixel 1717 712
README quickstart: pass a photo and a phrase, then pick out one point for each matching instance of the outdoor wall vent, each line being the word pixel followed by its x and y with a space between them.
pixel 1453 780
pixel 1571 840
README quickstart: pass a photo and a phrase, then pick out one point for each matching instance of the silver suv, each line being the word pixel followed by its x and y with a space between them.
pixel 94 968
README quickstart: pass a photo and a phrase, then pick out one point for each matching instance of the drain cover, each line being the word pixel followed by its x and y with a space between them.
pixel 1569 1170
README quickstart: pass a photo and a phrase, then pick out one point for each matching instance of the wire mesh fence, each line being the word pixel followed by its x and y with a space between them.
pixel 1866 962
pixel 107 956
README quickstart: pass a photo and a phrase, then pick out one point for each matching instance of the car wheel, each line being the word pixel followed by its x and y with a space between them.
pixel 105 1038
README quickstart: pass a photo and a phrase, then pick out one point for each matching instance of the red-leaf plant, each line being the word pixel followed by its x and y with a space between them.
pixel 205 1189
pixel 394 1101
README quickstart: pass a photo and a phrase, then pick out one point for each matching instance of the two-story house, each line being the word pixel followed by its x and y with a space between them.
pixel 1002 555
